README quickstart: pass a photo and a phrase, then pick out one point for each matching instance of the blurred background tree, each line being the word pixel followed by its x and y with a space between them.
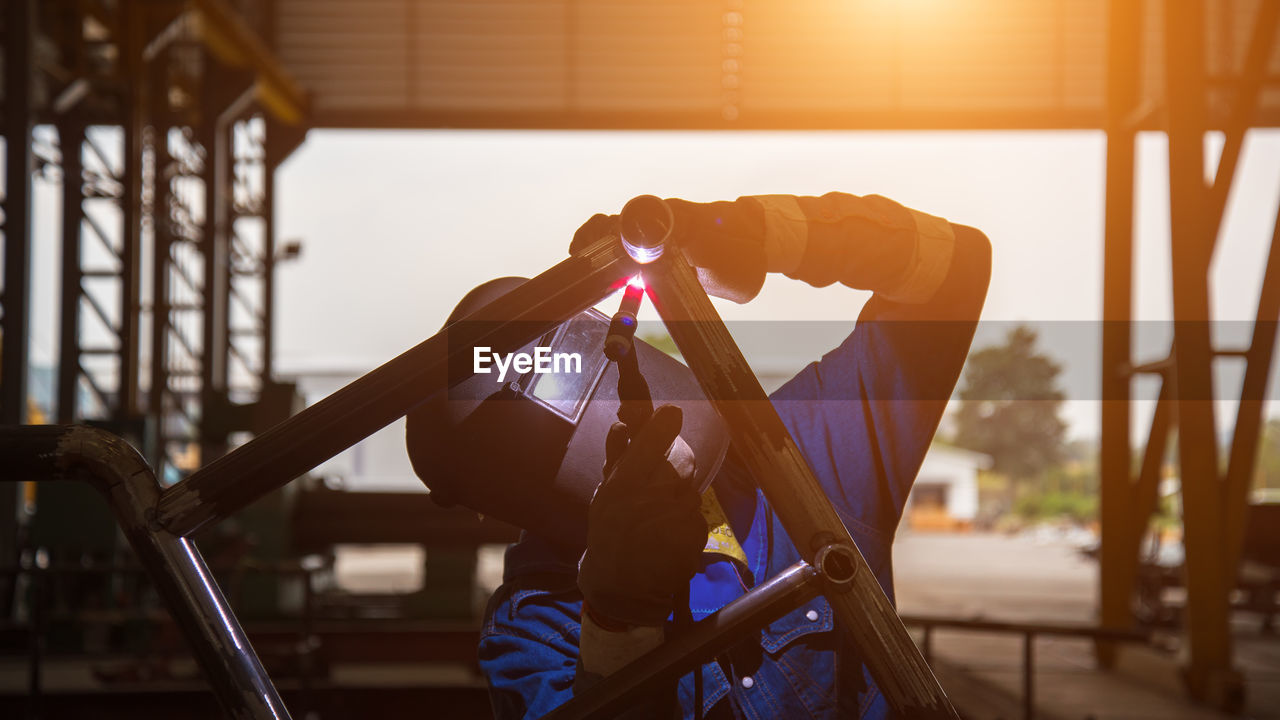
pixel 663 341
pixel 1268 472
pixel 1009 403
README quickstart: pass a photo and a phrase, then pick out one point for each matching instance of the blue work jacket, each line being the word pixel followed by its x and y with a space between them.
pixel 863 416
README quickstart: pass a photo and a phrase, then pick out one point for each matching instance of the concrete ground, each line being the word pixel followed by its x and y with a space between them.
pixel 1028 578
pixel 1042 578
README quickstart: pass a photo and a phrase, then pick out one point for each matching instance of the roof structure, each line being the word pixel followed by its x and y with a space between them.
pixel 726 64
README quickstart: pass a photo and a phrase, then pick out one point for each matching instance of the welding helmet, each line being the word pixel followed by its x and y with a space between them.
pixel 528 448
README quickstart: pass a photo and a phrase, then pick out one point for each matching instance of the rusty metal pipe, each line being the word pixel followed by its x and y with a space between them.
pixel 128 484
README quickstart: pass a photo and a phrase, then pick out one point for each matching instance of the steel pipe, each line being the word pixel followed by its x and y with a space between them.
pixel 704 640
pixel 375 400
pixel 115 469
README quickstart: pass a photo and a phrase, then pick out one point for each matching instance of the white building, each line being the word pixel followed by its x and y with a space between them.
pixel 945 495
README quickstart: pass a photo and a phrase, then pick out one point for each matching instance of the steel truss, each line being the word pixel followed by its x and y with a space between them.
pixel 133 105
pixel 166 149
pixel 1213 502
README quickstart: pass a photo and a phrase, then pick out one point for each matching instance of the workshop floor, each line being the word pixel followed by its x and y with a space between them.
pixel 1042 578
pixel 1029 578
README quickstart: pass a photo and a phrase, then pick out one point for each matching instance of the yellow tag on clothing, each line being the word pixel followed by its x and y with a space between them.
pixel 720 539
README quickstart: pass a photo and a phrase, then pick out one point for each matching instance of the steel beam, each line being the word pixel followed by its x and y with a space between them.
pixel 687 651
pixel 14 325
pixel 1120 529
pixel 1210 675
pixel 82 161
pixel 19 29
pixel 942 119
pixel 236 45
pixel 771 455
pixel 248 282
pixel 1125 515
pixel 268 257
pixel 70 137
pixel 1258 356
pixel 1146 489
pixel 214 137
pixel 1244 107
pixel 178 300
pixel 134 104
pixel 161 244
pixel 370 403
pixel 1253 393
pixel 279 142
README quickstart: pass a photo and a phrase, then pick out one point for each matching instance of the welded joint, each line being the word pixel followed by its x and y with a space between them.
pixel 837 565
pixel 114 468
pixel 645 226
pixel 1154 367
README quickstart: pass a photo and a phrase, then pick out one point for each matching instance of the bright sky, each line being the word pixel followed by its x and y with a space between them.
pixel 397 225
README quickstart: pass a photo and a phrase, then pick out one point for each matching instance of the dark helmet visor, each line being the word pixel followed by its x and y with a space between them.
pixel 523 440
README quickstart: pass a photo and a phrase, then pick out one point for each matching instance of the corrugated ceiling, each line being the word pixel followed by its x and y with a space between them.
pixel 721 63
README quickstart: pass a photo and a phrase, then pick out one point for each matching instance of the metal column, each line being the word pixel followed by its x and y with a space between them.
pixel 1213 504
pixel 214 138
pixel 14 301
pixel 70 137
pixel 17 212
pixel 1118 556
pixel 1209 581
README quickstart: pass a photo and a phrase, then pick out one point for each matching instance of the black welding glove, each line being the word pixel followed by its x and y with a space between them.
pixel 645 532
pixel 867 242
pixel 724 241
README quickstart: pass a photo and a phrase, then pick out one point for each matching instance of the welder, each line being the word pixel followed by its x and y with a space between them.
pixel 678 529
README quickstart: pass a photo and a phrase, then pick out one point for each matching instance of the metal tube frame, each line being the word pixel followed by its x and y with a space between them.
pixel 115 469
pixel 707 638
pixel 158 521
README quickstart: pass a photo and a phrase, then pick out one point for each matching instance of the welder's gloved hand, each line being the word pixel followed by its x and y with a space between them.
pixel 724 241
pixel 600 225
pixel 867 242
pixel 645 532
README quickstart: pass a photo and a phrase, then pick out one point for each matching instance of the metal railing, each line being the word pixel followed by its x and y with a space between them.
pixel 1028 632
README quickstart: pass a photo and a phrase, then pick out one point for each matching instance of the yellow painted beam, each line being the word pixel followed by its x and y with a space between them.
pixel 234 44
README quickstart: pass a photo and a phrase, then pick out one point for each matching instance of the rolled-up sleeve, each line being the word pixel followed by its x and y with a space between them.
pixel 865 414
